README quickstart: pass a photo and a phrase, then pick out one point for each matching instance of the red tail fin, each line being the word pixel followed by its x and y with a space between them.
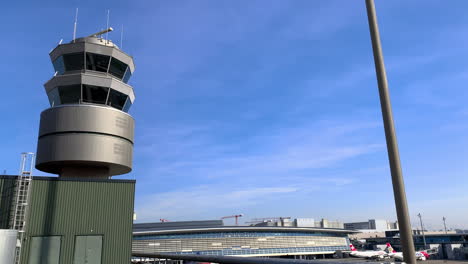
pixel 390 248
pixel 352 247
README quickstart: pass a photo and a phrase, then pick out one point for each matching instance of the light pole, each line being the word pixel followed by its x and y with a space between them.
pixel 422 230
pixel 445 227
pixel 401 205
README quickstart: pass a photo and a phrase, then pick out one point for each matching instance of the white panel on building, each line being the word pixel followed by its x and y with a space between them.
pixel 7 246
pixel 305 222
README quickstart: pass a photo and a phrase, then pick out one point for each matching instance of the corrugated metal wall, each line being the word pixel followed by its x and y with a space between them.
pixel 67 208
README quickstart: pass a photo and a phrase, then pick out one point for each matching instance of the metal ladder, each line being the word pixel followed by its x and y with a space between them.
pixel 21 199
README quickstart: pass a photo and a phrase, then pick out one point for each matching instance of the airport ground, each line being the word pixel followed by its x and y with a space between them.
pixel 342 261
pixel 363 260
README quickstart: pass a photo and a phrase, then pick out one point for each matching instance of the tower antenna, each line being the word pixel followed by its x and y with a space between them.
pixel 121 38
pixel 107 33
pixel 74 27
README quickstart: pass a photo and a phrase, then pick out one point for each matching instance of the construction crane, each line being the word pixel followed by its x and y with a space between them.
pixel 163 220
pixel 233 216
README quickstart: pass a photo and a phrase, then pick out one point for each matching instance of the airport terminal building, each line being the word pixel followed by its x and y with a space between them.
pixel 213 238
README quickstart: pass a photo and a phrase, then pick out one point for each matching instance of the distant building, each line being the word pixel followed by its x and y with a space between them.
pixel 324 223
pixel 393 225
pixel 300 222
pixel 274 221
pixel 372 225
pixel 357 225
pixel 304 222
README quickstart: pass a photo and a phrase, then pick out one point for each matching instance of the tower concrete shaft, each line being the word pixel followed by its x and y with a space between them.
pixel 87 131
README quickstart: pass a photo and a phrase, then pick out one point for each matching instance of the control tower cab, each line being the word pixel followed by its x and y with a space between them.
pixel 87 131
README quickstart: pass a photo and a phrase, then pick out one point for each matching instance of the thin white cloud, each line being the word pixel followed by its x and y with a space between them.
pixel 441 91
pixel 199 200
pixel 258 169
pixel 201 154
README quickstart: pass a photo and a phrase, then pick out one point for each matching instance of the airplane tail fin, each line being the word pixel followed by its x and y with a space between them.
pixel 390 249
pixel 352 247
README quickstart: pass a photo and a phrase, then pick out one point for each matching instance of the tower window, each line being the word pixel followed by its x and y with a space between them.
pixel 97 62
pixel 95 94
pixel 69 94
pixel 59 67
pixel 117 68
pixel 127 105
pixel 74 61
pixel 117 99
pixel 54 98
pixel 127 75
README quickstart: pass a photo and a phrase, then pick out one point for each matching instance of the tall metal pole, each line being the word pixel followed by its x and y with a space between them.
pixel 422 230
pixel 445 227
pixel 401 205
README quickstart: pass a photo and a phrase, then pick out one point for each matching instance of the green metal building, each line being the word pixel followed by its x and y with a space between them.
pixel 75 221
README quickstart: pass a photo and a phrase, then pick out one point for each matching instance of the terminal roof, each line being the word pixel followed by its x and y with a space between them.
pixel 217 226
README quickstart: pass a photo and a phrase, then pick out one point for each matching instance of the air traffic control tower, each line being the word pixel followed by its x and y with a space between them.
pixel 86 137
pixel 87 132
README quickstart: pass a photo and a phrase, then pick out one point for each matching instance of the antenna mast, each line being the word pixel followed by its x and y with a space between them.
pixel 121 38
pixel 74 27
pixel 107 34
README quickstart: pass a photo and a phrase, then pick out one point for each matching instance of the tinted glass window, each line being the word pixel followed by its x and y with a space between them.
pixel 127 105
pixel 54 98
pixel 73 62
pixel 70 94
pixel 127 75
pixel 94 94
pixel 117 68
pixel 96 62
pixel 117 99
pixel 58 65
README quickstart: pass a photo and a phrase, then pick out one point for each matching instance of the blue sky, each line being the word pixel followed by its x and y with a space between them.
pixel 266 108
